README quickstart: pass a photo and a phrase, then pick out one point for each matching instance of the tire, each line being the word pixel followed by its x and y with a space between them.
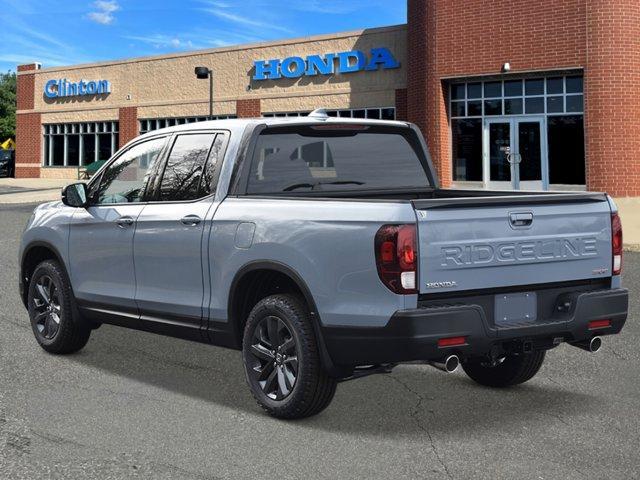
pixel 49 299
pixel 514 370
pixel 278 330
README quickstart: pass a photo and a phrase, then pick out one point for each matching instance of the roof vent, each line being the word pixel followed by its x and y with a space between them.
pixel 319 113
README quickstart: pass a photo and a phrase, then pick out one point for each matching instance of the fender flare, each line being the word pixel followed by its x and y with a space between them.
pixel 280 267
pixel 24 289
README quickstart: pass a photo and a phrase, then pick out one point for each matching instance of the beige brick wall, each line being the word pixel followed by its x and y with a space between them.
pixel 166 86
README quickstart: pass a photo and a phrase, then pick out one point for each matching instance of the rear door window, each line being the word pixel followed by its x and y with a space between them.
pixel 336 158
pixel 185 168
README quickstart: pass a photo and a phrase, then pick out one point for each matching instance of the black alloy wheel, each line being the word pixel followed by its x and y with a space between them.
pixel 281 356
pixel 275 358
pixel 57 326
pixel 46 302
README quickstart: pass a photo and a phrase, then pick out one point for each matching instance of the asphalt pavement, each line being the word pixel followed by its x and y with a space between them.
pixel 138 405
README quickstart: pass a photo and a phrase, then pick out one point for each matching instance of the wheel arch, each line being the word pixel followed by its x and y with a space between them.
pixel 235 292
pixel 33 254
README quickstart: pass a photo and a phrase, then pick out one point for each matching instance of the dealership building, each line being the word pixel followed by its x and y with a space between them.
pixel 509 94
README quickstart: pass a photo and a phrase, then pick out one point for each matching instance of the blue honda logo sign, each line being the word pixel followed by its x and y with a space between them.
pixel 64 88
pixel 328 64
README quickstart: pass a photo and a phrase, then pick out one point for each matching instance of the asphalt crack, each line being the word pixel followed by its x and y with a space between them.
pixel 415 415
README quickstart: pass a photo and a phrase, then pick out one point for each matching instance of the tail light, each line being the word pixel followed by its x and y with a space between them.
pixel 396 257
pixel 616 243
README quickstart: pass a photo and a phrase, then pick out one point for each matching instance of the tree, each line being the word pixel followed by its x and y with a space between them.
pixel 7 105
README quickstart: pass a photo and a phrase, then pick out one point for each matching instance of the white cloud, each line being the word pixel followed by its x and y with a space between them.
pixel 158 40
pixel 246 21
pixel 104 10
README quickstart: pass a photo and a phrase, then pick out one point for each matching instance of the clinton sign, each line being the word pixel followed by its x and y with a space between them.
pixel 327 64
pixel 64 88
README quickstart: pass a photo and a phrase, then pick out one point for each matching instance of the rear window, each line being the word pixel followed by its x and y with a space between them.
pixel 336 158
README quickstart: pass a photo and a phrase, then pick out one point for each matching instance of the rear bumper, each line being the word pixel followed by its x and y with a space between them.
pixel 413 334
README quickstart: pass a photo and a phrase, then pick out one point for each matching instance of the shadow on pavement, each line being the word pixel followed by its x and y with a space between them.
pixel 407 402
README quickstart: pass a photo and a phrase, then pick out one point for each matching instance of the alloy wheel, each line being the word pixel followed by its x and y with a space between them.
pixel 274 358
pixel 46 302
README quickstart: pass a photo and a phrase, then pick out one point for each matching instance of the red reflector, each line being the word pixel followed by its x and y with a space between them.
pixel 452 341
pixel 596 324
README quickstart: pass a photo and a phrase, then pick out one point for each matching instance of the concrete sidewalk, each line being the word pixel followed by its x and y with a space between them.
pixel 31 190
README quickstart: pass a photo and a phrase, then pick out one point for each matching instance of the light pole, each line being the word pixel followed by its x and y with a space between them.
pixel 203 73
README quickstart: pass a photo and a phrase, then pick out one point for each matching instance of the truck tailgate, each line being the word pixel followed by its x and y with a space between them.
pixel 470 246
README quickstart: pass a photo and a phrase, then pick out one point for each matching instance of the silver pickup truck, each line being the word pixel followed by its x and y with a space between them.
pixel 325 250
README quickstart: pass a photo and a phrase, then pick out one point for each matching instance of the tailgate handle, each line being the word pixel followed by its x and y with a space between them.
pixel 521 219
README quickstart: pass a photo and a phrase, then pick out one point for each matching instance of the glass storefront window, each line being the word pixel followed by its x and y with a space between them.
pixel 556 102
pixel 565 136
pixel 384 113
pixel 150 124
pixel 74 144
pixel 467 149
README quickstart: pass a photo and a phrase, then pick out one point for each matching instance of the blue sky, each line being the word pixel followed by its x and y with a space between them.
pixel 70 32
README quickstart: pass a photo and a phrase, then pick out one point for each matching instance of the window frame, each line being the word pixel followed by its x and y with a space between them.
pixel 153 191
pixel 97 179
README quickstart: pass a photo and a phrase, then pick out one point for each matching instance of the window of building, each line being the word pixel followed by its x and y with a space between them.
pixel 77 144
pixel 151 124
pixel 557 99
pixel 378 113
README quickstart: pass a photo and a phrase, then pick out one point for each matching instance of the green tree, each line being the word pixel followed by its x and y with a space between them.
pixel 7 106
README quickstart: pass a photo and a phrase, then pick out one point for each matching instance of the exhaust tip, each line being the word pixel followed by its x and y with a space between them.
pixel 595 344
pixel 451 363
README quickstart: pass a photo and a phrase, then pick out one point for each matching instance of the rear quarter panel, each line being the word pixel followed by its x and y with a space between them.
pixel 328 243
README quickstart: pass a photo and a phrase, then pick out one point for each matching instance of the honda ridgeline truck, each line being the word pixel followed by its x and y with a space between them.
pixel 325 250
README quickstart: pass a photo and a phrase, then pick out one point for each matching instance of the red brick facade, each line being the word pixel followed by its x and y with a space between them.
pixel 28 145
pixel 612 96
pixel 401 104
pixel 454 38
pixel 248 108
pixel 28 126
pixel 128 121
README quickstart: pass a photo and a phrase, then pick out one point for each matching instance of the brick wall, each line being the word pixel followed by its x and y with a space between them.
pixel 28 145
pixel 128 124
pixel 248 108
pixel 474 37
pixel 612 96
pixel 28 126
pixel 401 104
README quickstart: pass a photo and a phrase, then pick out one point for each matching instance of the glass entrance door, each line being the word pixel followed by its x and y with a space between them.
pixel 498 155
pixel 514 154
pixel 529 154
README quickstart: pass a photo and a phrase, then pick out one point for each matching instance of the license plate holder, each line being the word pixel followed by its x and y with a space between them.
pixel 515 308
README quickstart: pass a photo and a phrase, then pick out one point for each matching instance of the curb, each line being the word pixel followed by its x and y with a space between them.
pixel 631 247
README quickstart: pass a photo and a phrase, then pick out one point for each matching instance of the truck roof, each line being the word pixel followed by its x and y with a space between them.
pixel 241 123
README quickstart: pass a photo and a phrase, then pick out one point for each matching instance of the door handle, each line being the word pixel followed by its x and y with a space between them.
pixel 124 222
pixel 190 220
pixel 521 219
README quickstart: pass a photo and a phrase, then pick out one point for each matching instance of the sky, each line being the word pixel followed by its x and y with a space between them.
pixel 69 32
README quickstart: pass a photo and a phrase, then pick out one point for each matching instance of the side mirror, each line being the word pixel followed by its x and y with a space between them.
pixel 75 195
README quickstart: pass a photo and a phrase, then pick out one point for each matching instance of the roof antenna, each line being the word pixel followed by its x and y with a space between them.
pixel 319 113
